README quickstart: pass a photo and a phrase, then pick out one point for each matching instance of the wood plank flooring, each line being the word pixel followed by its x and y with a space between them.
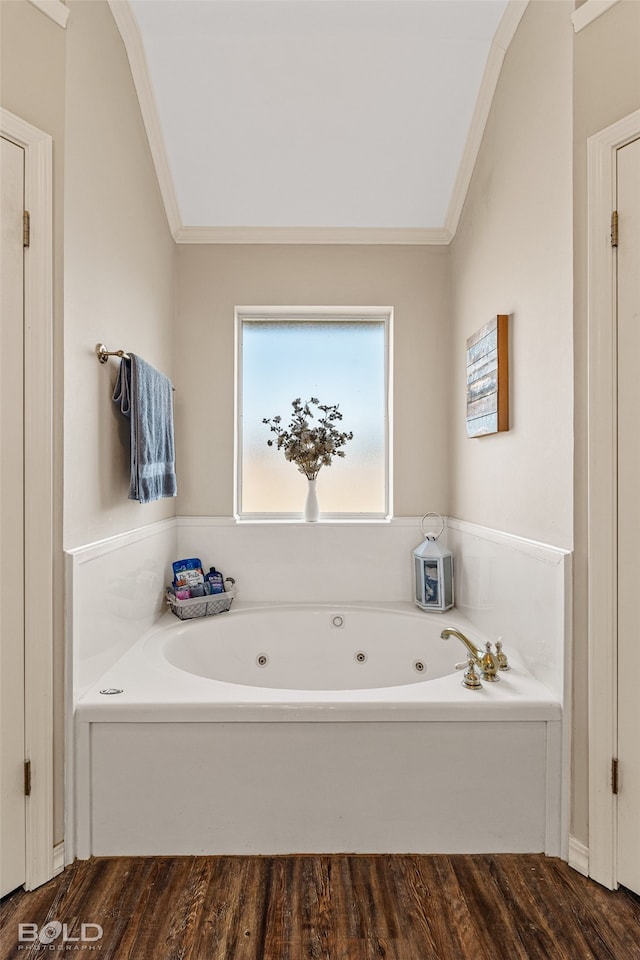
pixel 462 907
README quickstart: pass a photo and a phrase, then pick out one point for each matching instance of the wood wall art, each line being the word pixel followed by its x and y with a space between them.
pixel 488 378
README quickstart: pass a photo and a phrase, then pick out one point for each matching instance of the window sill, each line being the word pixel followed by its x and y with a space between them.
pixel 257 521
pixel 322 521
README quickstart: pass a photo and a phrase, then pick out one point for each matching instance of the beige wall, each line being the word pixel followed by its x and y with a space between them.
pixel 212 279
pixel 512 254
pixel 33 46
pixel 606 85
pixel 113 271
pixel 118 274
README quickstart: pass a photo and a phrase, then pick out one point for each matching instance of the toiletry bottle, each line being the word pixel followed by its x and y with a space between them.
pixel 216 580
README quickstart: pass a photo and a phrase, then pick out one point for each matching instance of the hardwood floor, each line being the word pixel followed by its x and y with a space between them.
pixel 462 907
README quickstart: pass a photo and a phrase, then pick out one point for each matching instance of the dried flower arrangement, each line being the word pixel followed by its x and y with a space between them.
pixel 309 447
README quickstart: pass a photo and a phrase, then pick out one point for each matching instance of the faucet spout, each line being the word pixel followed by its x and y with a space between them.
pixel 452 632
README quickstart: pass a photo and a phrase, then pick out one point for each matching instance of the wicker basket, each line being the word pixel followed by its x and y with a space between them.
pixel 199 606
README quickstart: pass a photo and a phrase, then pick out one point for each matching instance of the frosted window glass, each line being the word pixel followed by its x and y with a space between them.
pixel 339 362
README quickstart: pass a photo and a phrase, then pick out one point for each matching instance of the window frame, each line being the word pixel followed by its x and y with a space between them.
pixel 309 314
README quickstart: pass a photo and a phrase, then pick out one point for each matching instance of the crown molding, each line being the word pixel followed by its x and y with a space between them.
pixel 590 11
pixel 297 235
pixel 54 9
pixel 499 46
pixel 128 27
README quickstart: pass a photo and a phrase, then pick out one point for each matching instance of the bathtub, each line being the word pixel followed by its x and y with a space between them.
pixel 279 729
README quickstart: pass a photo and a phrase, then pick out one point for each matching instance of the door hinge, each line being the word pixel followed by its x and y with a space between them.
pixel 26 228
pixel 27 778
pixel 614 776
pixel 614 228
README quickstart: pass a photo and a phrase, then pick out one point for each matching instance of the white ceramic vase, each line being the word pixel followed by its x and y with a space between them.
pixel 311 510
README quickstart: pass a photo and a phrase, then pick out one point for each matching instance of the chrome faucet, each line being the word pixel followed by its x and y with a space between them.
pixel 486 660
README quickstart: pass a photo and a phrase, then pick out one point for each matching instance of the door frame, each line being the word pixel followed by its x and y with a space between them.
pixel 602 494
pixel 38 492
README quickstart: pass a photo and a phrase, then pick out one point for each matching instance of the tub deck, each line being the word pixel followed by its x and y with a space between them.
pixel 156 691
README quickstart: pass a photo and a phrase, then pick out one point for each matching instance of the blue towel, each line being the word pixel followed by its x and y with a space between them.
pixel 145 398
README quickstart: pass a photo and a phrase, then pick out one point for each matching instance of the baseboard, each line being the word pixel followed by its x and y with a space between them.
pixel 579 856
pixel 58 858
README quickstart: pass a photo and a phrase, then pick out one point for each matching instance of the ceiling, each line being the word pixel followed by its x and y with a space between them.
pixel 316 113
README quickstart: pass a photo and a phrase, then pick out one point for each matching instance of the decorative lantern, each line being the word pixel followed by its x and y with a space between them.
pixel 433 571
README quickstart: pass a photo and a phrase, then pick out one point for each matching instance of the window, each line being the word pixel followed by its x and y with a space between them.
pixel 339 356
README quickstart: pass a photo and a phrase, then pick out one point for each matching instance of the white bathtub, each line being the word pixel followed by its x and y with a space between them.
pixel 309 648
pixel 314 728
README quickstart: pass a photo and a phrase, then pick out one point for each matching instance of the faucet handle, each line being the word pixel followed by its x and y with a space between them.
pixel 471 679
pixel 503 663
pixel 489 664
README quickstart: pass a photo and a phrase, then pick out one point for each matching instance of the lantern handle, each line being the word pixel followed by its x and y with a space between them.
pixel 430 536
